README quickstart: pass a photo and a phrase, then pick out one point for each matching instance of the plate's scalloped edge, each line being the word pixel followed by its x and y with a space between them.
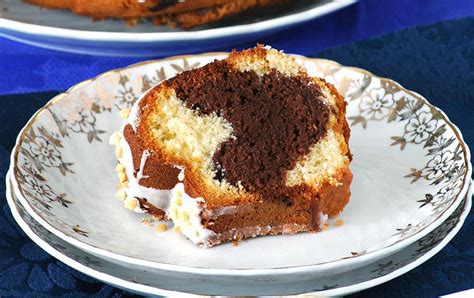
pixel 104 277
pixel 428 255
pixel 281 270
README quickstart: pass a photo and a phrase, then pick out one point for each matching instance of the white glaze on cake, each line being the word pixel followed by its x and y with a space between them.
pixel 185 212
pixel 143 160
pixel 157 197
pixel 223 211
pixel 323 219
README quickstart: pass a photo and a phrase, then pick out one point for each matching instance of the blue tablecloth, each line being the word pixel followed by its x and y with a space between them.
pixel 29 69
pixel 436 61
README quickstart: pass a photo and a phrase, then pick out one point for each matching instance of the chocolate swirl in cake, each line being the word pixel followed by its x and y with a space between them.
pixel 275 119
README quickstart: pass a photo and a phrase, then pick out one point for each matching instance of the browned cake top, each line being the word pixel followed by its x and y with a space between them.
pixel 275 119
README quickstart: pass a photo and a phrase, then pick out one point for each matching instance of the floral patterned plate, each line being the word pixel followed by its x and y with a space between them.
pixel 153 282
pixel 411 171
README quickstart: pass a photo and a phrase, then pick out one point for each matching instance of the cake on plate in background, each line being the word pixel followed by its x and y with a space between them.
pixel 176 13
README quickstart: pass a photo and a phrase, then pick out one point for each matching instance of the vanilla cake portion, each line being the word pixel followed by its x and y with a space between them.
pixel 246 146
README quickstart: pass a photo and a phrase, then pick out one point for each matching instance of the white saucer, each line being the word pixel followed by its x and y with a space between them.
pixel 155 282
pixel 411 171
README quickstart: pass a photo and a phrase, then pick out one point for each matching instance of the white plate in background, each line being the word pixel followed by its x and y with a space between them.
pixel 62 30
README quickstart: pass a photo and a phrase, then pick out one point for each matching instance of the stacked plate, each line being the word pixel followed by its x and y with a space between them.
pixel 410 194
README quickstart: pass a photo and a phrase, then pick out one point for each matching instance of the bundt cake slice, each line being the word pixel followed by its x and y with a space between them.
pixel 246 146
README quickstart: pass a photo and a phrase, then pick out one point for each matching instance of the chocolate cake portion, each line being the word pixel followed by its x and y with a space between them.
pixel 276 119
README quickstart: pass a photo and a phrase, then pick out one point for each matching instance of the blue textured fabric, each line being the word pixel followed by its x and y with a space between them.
pixel 30 69
pixel 28 271
pixel 436 61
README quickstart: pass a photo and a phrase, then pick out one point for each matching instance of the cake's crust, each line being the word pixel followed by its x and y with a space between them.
pixel 156 173
pixel 306 212
pixel 267 220
pixel 341 125
pixel 152 210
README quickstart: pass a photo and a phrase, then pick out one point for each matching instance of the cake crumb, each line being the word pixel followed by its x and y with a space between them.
pixel 124 113
pixel 115 138
pixel 339 222
pixel 118 151
pixel 121 194
pixel 145 220
pixel 235 243
pixel 177 229
pixel 122 177
pixel 161 228
pixel 120 168
pixel 174 211
pixel 131 203
pixel 325 227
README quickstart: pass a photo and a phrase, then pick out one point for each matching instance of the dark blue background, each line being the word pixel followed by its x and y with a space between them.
pixel 29 69
pixel 436 61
